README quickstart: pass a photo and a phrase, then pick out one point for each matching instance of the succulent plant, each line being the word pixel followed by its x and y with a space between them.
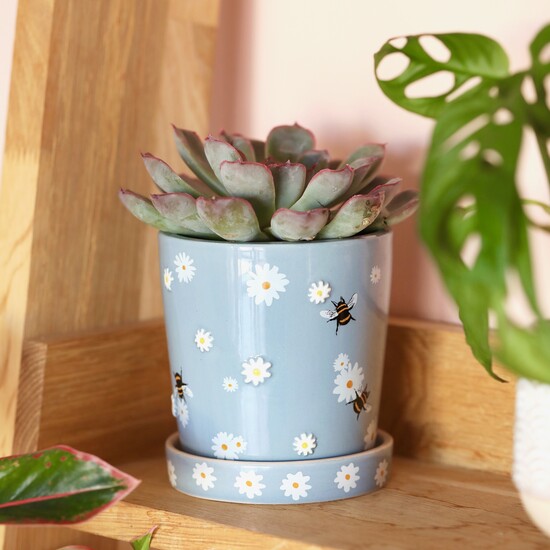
pixel 283 189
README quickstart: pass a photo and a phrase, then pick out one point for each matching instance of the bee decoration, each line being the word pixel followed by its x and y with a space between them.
pixel 182 387
pixel 341 314
pixel 360 402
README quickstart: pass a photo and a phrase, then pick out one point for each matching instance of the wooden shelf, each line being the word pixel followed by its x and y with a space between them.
pixel 423 506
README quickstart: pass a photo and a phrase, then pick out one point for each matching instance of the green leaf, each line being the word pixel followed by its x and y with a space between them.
pixel 314 161
pixel 290 225
pixel 376 151
pixel 289 143
pixel 218 151
pixel 355 215
pixel 142 208
pixel 401 207
pixel 243 145
pixel 290 181
pixel 325 189
pixel 58 485
pixel 191 150
pixel 471 55
pixel 181 209
pixel 259 149
pixel 144 542
pixel 232 218
pixel 251 181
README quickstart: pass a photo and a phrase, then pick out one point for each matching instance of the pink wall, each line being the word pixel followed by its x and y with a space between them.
pixel 310 61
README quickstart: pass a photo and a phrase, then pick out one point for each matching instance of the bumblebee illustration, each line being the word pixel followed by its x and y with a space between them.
pixel 360 402
pixel 341 314
pixel 181 387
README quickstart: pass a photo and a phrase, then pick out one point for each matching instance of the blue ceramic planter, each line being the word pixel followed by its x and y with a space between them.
pixel 276 349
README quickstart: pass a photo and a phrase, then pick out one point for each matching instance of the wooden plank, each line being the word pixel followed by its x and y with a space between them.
pixel 439 403
pixel 423 506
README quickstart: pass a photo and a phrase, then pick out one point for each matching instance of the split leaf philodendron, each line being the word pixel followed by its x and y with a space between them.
pixel 283 189
pixel 59 485
pixel 469 186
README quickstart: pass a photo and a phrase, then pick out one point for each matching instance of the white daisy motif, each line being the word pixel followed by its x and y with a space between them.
pixel 228 447
pixel 265 284
pixel 203 476
pixel 348 381
pixel 347 477
pixel 381 473
pixel 375 275
pixel 203 340
pixel 341 362
pixel 249 484
pixel 295 485
pixel 172 473
pixel 183 412
pixel 370 435
pixel 230 384
pixel 319 292
pixel 174 409
pixel 168 279
pixel 184 268
pixel 255 370
pixel 304 444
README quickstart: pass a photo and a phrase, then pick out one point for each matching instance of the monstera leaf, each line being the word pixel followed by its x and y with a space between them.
pixel 59 485
pixel 469 186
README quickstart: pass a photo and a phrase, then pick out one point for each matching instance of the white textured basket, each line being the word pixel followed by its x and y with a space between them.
pixel 531 471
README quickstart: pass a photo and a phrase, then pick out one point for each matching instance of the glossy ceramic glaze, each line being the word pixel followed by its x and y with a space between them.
pixel 286 482
pixel 245 317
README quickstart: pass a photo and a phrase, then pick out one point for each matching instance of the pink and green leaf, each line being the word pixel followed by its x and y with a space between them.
pixel 218 151
pixel 325 189
pixel 142 208
pixel 290 181
pixel 315 161
pixel 242 144
pixel 401 207
pixel 59 485
pixel 259 149
pixel 253 182
pixel 390 186
pixel 289 143
pixel 292 225
pixel 181 208
pixel 165 178
pixel 355 215
pixel 144 542
pixel 363 170
pixel 232 218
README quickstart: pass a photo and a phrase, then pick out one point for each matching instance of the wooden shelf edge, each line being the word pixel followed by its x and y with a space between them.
pixel 423 505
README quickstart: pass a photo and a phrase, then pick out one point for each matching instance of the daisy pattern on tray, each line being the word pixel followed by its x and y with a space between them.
pixel 319 292
pixel 304 444
pixel 172 473
pixel 295 485
pixel 184 268
pixel 381 473
pixel 204 476
pixel 265 284
pixel 230 385
pixel 256 370
pixel 347 382
pixel 249 483
pixel 346 478
pixel 227 446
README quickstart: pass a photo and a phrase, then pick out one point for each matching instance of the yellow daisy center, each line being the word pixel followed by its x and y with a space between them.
pixel 319 292
pixel 256 372
pixel 183 267
pixel 203 475
pixel 296 485
pixel 238 443
pixel 266 285
pixel 304 445
pixel 201 340
pixel 249 483
pixel 224 446
pixel 349 384
pixel 347 476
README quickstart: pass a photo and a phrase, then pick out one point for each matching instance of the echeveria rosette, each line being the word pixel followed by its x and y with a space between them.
pixel 283 189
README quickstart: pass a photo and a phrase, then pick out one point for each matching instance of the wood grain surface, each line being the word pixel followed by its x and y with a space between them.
pixel 423 506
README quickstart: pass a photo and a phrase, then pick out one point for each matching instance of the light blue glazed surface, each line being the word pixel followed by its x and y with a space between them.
pixel 301 346
pixel 274 482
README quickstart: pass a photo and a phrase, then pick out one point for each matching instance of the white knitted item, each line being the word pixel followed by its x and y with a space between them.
pixel 531 470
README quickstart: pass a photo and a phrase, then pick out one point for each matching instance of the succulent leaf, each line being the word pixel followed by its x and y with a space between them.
pixel 242 144
pixel 389 185
pixel 259 149
pixel 325 189
pixel 232 218
pixel 291 225
pixel 314 160
pixel 289 143
pixel 356 214
pixel 142 208
pixel 182 210
pixel 377 150
pixel 362 168
pixel 253 182
pixel 401 207
pixel 290 181
pixel 165 178
pixel 191 150
pixel 218 151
